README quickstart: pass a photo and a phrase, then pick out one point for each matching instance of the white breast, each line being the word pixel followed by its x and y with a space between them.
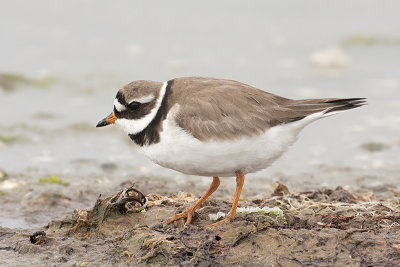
pixel 180 151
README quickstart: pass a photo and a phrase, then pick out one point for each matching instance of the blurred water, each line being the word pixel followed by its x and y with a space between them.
pixel 94 47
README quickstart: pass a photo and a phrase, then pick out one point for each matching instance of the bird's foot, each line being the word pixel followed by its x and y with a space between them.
pixel 227 219
pixel 186 214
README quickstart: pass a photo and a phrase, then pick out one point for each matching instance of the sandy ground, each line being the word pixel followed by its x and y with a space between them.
pixel 322 227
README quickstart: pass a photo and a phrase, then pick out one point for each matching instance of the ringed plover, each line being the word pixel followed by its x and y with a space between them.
pixel 214 127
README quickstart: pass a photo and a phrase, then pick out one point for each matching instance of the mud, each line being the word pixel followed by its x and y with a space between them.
pixel 330 227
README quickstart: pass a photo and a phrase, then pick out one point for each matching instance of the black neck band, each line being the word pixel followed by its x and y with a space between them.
pixel 151 134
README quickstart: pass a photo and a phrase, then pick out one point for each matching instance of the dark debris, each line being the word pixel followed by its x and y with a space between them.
pixel 38 238
pixel 127 196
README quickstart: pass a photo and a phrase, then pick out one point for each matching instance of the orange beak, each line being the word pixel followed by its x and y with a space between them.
pixel 107 121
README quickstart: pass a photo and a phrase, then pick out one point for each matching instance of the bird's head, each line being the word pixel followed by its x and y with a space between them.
pixel 135 106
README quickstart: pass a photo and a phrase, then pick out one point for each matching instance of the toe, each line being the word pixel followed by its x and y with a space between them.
pixel 178 216
pixel 224 220
pixel 189 218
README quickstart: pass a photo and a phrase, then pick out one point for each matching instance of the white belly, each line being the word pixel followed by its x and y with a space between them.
pixel 180 151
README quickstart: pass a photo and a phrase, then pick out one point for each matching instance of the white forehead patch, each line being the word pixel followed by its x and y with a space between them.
pixel 118 106
pixel 144 99
pixel 138 125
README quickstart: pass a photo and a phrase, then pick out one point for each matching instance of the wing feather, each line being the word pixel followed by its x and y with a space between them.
pixel 224 109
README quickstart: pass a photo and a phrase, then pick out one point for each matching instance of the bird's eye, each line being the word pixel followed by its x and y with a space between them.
pixel 134 105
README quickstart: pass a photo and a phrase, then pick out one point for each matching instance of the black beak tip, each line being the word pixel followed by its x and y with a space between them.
pixel 102 123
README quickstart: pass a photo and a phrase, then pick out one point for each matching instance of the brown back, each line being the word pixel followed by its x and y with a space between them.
pixel 224 109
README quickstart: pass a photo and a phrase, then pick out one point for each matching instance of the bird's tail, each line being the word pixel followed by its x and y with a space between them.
pixel 325 106
pixel 339 105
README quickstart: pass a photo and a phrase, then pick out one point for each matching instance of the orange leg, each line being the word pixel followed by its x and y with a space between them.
pixel 189 212
pixel 232 212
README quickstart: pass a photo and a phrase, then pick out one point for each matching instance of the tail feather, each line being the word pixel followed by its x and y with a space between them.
pixel 345 104
pixel 328 106
pixel 345 100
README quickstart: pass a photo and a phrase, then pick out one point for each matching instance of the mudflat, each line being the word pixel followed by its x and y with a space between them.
pixel 325 227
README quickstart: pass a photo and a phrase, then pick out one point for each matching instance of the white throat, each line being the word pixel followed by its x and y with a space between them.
pixel 136 126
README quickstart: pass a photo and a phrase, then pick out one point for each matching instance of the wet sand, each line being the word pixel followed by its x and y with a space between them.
pixel 326 227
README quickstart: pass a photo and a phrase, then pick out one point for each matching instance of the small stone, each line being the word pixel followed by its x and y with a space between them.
pixel 396 246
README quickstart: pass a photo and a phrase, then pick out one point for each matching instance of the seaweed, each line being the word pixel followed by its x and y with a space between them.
pixel 53 179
